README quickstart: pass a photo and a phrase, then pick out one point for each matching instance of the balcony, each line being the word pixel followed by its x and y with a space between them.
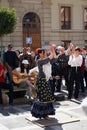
pixel 66 25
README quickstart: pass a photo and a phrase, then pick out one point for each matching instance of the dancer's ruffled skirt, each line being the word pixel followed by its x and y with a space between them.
pixel 41 110
pixel 44 105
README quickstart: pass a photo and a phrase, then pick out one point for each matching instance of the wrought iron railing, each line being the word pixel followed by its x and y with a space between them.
pixel 65 24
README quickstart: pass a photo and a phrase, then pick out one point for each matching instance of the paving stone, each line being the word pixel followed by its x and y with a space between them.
pixel 2 127
pixel 13 118
pixel 82 125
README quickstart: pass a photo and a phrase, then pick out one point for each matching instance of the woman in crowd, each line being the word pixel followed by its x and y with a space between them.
pixel 43 107
pixel 4 84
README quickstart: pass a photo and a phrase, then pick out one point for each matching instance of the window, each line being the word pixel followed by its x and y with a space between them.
pixel 31 23
pixel 85 18
pixel 65 17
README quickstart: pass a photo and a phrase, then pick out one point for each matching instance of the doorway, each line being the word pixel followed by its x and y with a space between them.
pixel 32 30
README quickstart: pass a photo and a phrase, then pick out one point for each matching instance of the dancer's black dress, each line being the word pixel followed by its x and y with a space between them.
pixel 43 106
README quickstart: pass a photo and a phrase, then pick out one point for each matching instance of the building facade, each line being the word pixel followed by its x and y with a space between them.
pixel 42 22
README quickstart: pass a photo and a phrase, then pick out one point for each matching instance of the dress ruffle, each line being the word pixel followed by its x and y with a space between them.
pixel 41 110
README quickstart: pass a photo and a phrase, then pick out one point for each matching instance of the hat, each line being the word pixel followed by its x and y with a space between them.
pixel 36 51
pixel 10 46
pixel 25 62
pixel 41 50
pixel 77 49
pixel 58 47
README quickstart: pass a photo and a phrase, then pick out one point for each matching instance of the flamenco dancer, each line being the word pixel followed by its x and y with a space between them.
pixel 43 106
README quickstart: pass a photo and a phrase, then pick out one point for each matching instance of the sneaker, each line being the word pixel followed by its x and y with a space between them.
pixel 32 98
pixel 26 96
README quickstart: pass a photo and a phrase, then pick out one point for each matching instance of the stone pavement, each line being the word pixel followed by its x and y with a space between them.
pixel 70 115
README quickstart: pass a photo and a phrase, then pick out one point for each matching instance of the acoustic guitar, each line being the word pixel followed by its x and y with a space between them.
pixel 24 76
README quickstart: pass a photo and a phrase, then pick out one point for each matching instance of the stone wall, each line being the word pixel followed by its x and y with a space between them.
pixel 49 14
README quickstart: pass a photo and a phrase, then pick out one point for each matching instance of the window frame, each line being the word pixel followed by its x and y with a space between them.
pixel 70 17
pixel 85 27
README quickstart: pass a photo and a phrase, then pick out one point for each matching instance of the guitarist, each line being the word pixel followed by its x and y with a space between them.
pixel 24 83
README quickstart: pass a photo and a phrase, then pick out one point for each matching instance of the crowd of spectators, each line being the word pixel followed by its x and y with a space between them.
pixel 70 65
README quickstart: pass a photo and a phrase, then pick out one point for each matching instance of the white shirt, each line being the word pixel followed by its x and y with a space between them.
pixel 47 70
pixel 75 61
pixel 19 70
pixel 86 61
pixel 34 69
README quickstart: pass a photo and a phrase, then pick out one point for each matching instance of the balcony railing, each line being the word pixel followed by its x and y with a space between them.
pixel 65 24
